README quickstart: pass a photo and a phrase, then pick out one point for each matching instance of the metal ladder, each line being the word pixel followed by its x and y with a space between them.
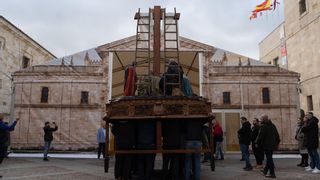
pixel 171 47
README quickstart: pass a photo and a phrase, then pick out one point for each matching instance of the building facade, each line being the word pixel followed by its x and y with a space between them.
pixel 295 45
pixel 232 82
pixel 252 90
pixel 17 51
pixel 71 95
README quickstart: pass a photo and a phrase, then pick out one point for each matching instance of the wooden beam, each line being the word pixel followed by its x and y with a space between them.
pixel 156 40
pixel 119 60
pixel 193 60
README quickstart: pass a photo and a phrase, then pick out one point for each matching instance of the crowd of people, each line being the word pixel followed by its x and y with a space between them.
pixel 262 135
pixel 264 139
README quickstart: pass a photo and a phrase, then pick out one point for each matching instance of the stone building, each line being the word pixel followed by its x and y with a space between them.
pixel 17 51
pixel 295 45
pixel 233 83
pixel 251 88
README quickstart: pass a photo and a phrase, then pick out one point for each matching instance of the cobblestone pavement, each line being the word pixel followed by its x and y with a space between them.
pixel 33 168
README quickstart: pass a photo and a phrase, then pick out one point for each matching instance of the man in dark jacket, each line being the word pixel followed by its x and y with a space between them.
pixel 268 139
pixel 311 132
pixel 3 137
pixel 257 151
pixel 125 139
pixel 48 137
pixel 172 139
pixel 193 136
pixel 146 140
pixel 244 135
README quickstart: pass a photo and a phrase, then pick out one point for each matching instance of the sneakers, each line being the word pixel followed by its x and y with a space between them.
pixel 316 171
pixel 309 168
pixel 45 159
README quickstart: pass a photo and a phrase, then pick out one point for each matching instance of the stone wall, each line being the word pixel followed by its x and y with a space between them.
pixel 14 45
pixel 245 85
pixel 78 123
pixel 303 44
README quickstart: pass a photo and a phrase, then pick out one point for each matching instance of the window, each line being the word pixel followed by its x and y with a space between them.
pixel 276 61
pixel 25 62
pixel 84 97
pixel 310 103
pixel 302 6
pixel 44 94
pixel 265 96
pixel 226 98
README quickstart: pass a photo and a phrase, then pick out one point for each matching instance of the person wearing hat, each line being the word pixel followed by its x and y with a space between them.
pixel 3 136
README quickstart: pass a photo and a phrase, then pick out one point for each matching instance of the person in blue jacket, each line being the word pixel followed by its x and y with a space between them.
pixel 3 137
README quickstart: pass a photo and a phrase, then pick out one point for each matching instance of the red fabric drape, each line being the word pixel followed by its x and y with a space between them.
pixel 130 84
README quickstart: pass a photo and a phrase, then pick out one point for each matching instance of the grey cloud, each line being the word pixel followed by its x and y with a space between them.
pixel 68 26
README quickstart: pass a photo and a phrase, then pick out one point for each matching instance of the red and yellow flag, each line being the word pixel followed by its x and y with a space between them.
pixel 265 6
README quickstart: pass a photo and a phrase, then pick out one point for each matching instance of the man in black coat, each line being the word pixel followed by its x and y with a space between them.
pixel 48 137
pixel 193 135
pixel 268 139
pixel 146 140
pixel 244 135
pixel 311 132
pixel 257 151
pixel 172 139
pixel 124 134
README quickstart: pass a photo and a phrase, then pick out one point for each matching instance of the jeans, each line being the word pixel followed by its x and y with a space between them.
pixel 269 164
pixel 314 156
pixel 196 160
pixel 245 154
pixel 101 148
pixel 46 148
pixel 219 153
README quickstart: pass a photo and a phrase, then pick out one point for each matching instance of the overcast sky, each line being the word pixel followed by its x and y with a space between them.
pixel 65 27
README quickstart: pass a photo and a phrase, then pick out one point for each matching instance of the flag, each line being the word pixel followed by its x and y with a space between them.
pixel 265 6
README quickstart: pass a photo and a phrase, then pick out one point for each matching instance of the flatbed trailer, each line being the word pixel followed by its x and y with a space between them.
pixel 158 109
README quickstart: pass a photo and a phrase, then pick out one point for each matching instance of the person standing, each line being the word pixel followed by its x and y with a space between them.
pixel 300 137
pixel 311 131
pixel 125 139
pixel 244 134
pixel 218 138
pixel 146 140
pixel 3 136
pixel 7 143
pixel 101 138
pixel 171 134
pixel 257 151
pixel 206 142
pixel 193 135
pixel 268 139
pixel 48 137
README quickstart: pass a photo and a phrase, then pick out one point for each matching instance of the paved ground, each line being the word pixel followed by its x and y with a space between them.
pixel 86 167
